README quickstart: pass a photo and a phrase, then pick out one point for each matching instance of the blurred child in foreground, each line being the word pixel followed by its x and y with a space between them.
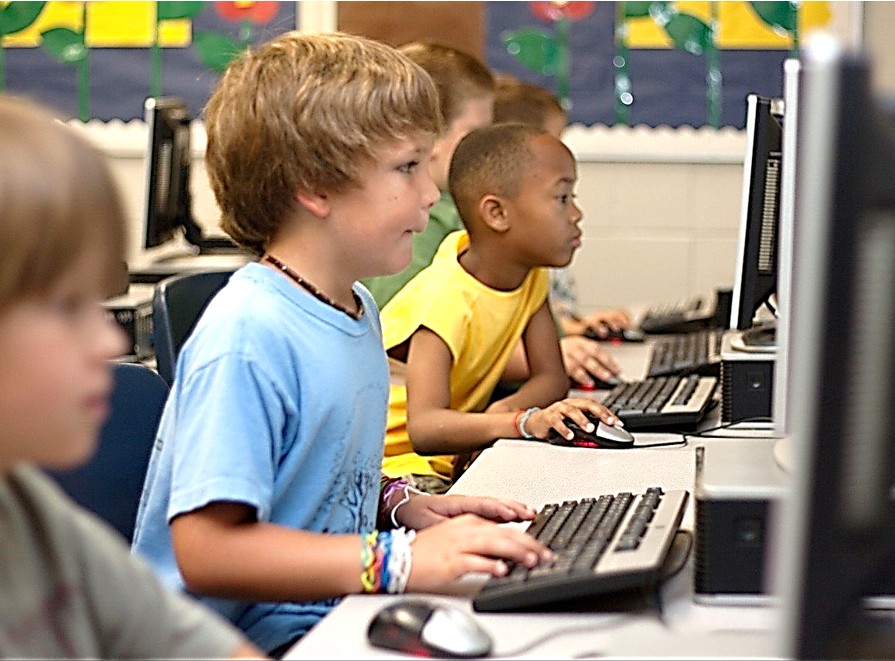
pixel 70 586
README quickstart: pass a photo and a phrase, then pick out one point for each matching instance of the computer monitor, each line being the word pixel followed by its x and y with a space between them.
pixel 835 542
pixel 169 228
pixel 168 208
pixel 756 268
pixel 786 256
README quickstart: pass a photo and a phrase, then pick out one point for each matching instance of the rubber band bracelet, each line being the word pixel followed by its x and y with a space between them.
pixel 524 418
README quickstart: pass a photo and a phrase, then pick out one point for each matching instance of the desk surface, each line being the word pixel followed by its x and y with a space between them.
pixel 538 473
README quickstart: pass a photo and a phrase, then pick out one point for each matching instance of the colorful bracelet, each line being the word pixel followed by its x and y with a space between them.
pixel 523 419
pixel 386 560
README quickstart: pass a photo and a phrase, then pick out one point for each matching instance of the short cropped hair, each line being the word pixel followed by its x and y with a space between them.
pixel 490 161
pixel 519 101
pixel 58 200
pixel 458 75
pixel 303 112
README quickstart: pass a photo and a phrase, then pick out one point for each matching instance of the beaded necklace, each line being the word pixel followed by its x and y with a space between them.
pixel 314 291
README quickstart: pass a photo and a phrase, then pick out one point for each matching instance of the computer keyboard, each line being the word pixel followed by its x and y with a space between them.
pixel 683 316
pixel 605 544
pixel 662 401
pixel 690 353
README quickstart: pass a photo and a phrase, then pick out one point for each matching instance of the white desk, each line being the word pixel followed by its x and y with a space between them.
pixel 538 473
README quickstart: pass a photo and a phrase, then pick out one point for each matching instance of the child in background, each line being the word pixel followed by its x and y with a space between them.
pixel 264 491
pixel 450 331
pixel 466 100
pixel 71 588
pixel 518 101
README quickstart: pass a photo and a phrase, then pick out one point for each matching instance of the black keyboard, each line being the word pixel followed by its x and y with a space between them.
pixel 662 401
pixel 690 353
pixel 683 316
pixel 600 545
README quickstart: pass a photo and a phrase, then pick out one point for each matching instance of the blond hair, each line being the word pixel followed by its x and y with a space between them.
pixel 518 101
pixel 58 199
pixel 490 161
pixel 459 76
pixel 303 112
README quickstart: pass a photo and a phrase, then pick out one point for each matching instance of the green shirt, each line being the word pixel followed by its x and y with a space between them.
pixel 443 219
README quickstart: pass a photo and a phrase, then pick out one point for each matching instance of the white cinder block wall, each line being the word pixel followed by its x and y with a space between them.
pixel 661 206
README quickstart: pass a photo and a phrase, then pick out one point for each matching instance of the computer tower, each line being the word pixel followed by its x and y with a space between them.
pixel 737 484
pixel 133 312
pixel 747 379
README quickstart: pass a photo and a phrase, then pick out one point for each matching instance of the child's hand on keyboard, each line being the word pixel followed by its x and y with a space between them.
pixel 540 422
pixel 469 544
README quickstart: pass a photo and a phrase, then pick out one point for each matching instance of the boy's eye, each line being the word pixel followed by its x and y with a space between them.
pixel 408 167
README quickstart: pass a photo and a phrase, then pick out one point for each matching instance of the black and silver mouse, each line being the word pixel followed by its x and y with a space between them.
pixel 426 629
pixel 603 436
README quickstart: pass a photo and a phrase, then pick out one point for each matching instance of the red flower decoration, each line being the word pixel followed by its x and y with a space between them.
pixel 254 12
pixel 557 10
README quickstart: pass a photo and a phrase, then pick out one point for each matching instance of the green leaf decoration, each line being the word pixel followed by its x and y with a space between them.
pixel 535 49
pixel 639 9
pixel 689 33
pixel 166 11
pixel 216 50
pixel 67 46
pixel 778 15
pixel 16 16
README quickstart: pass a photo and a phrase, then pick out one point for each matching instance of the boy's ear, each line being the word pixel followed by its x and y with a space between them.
pixel 495 213
pixel 317 203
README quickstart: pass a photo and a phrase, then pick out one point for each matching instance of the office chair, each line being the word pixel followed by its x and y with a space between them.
pixel 111 482
pixel 177 304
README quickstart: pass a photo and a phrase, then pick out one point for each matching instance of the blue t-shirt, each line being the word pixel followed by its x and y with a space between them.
pixel 279 402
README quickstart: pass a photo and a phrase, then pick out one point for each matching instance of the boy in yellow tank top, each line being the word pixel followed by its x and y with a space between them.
pixel 451 330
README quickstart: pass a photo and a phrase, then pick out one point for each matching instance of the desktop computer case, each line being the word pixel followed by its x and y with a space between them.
pixel 747 380
pixel 133 312
pixel 737 483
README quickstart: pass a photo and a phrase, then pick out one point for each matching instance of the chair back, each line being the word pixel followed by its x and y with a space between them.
pixel 177 304
pixel 111 482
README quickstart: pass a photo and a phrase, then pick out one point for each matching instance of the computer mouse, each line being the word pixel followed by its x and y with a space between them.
pixel 603 436
pixel 621 335
pixel 598 384
pixel 426 629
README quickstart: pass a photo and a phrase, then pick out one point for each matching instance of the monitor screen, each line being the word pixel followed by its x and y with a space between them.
pixel 834 544
pixel 756 268
pixel 168 161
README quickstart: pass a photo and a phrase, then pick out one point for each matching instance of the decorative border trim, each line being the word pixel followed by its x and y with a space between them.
pixel 593 144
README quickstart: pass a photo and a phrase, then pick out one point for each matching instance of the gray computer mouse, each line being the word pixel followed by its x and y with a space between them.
pixel 603 436
pixel 423 628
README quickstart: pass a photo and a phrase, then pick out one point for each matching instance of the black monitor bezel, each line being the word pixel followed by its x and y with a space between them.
pixel 167 209
pixel 835 540
pixel 754 283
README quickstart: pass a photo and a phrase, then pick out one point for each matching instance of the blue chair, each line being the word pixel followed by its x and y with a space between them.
pixel 177 304
pixel 110 483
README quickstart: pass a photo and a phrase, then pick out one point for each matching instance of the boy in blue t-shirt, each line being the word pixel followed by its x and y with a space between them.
pixel 264 491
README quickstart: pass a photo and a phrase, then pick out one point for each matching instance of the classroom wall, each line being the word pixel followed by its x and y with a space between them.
pixel 661 205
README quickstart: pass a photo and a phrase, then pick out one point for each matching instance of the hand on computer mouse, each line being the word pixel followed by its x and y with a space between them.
pixel 539 423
